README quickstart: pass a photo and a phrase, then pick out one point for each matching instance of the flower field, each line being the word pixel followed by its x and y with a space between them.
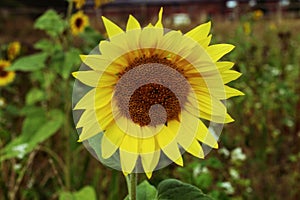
pixel 258 154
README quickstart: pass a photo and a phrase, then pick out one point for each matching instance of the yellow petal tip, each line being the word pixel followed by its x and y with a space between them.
pixel 179 161
pixel 216 145
pixel 148 174
pixel 74 74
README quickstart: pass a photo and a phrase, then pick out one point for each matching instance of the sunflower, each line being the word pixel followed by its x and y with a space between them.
pixel 13 50
pixel 153 93
pixel 79 21
pixel 79 3
pixel 258 14
pixel 99 3
pixel 6 77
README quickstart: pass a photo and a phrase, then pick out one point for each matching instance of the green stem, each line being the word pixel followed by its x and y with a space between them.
pixel 70 8
pixel 67 131
pixel 128 185
pixel 67 110
pixel 133 183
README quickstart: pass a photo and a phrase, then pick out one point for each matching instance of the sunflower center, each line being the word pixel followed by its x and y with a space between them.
pixel 2 72
pixel 151 59
pixel 150 94
pixel 78 22
pixel 142 103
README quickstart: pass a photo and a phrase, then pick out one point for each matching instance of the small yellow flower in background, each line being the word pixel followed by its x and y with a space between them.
pixel 79 3
pixel 6 77
pixel 13 50
pixel 151 92
pixel 272 26
pixel 2 102
pixel 247 28
pixel 258 14
pixel 78 22
pixel 99 3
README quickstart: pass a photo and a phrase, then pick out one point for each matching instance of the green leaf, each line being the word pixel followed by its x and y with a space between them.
pixel 86 193
pixel 91 37
pixel 44 45
pixel 172 189
pixel 35 95
pixel 33 111
pixel 205 180
pixel 57 60
pixel 29 63
pixel 49 128
pixel 145 191
pixel 51 23
pixel 49 47
pixel 72 59
pixel 35 130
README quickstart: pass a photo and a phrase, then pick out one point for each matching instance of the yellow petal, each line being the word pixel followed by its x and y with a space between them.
pixel 147 145
pixel 205 42
pixel 89 131
pixel 87 101
pixel 224 65
pixel 159 21
pixel 195 130
pixel 88 116
pixel 128 153
pixel 130 144
pixel 200 32
pixel 111 28
pixel 149 154
pixel 128 161
pixel 173 153
pixel 166 139
pixel 203 135
pixel 194 148
pixel 89 78
pixel 220 93
pixel 107 80
pixel 133 36
pixel 168 133
pixel 149 162
pixel 232 92
pixel 98 63
pixel 104 119
pixel 112 51
pixel 210 108
pixel 132 23
pixel 230 75
pixel 148 174
pixel 217 51
pixel 149 37
pixel 111 140
pixel 170 41
pixel 102 97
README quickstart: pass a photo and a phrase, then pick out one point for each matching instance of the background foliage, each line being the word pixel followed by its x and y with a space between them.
pixel 259 154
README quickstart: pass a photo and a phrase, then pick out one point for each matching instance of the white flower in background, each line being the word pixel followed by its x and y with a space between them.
pixel 234 173
pixel 224 151
pixel 17 167
pixel 228 189
pixel 237 155
pixel 2 102
pixel 21 149
pixel 199 169
pixel 205 170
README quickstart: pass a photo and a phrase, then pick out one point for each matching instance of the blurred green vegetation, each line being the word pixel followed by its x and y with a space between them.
pixel 259 154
